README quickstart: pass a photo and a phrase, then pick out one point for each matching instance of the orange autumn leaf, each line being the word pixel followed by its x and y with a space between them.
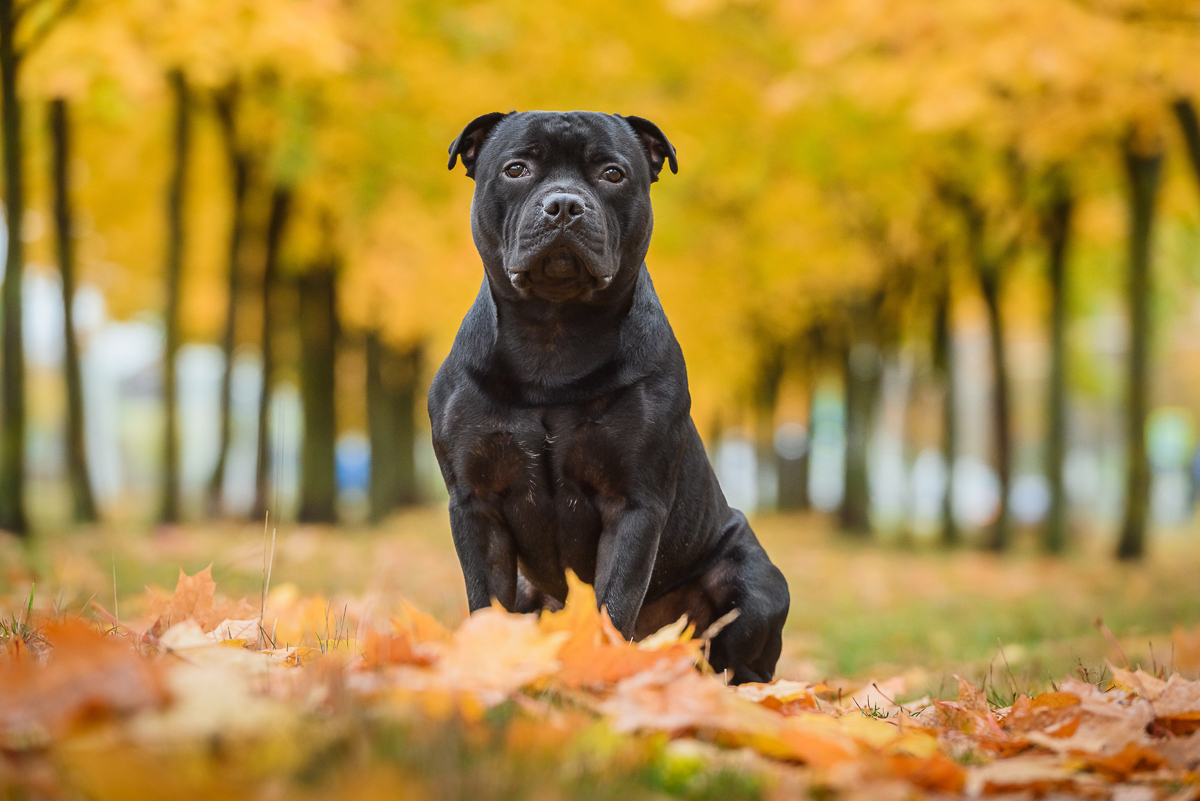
pixel 422 626
pixel 88 676
pixel 937 773
pixel 194 599
pixel 783 696
pixel 391 649
pixel 595 654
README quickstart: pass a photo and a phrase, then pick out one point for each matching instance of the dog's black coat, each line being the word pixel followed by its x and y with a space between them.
pixel 561 418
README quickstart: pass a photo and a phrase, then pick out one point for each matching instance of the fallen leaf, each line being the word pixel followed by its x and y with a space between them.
pixel 88 676
pixel 596 655
pixel 495 653
pixel 392 649
pixel 970 697
pixel 937 772
pixel 1133 758
pixel 1036 774
pixel 193 599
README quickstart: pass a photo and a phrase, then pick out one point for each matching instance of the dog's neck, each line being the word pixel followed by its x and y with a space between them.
pixel 540 343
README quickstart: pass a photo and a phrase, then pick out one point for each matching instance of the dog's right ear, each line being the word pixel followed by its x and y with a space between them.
pixel 471 139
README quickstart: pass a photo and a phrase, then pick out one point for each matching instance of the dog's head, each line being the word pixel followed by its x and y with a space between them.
pixel 562 199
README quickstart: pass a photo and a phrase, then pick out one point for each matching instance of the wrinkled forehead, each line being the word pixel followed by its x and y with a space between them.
pixel 572 135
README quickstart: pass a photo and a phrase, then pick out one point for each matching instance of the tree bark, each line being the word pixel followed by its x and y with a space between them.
pixel 318 335
pixel 793 473
pixel 1143 171
pixel 281 201
pixel 392 387
pixel 943 354
pixel 1185 112
pixel 863 376
pixel 1000 536
pixel 1056 229
pixel 12 440
pixel 238 162
pixel 176 190
pixel 771 367
pixel 60 169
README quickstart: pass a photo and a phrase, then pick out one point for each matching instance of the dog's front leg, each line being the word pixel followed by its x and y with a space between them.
pixel 625 562
pixel 485 551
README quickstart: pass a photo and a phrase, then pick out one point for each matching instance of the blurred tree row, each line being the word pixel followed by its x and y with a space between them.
pixel 266 174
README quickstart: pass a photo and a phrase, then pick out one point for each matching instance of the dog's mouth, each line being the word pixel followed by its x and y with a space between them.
pixel 560 274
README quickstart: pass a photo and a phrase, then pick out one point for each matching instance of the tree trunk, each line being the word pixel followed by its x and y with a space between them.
pixel 12 441
pixel 392 387
pixel 1144 172
pixel 863 377
pixel 318 336
pixel 944 361
pixel 1185 112
pixel 238 163
pixel 1056 228
pixel 281 201
pixel 1001 534
pixel 771 367
pixel 792 473
pixel 176 188
pixel 60 169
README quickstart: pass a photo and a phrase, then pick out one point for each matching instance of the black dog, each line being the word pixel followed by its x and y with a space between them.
pixel 561 419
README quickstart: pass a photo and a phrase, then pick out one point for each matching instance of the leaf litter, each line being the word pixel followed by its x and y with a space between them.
pixel 202 697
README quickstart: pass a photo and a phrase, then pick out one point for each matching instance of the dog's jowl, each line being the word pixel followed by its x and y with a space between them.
pixel 561 418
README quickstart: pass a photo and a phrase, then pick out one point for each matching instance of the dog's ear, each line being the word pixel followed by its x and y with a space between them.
pixel 471 139
pixel 658 149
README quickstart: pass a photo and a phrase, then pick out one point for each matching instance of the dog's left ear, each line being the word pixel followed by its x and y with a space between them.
pixel 471 139
pixel 658 149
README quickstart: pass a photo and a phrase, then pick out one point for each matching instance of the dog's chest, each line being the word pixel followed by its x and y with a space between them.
pixel 549 473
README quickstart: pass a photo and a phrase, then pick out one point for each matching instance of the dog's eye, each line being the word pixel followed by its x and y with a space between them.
pixel 516 170
pixel 612 175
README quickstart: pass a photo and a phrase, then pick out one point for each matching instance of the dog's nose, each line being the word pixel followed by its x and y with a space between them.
pixel 562 208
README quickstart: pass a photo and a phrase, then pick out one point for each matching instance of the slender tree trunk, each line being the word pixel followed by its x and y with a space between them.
pixel 238 162
pixel 60 167
pixel 392 386
pixel 805 467
pixel 1001 534
pixel 862 383
pixel 1143 172
pixel 944 360
pixel 318 334
pixel 1056 228
pixel 792 473
pixel 281 201
pixel 12 440
pixel 176 189
pixel 771 367
pixel 1185 112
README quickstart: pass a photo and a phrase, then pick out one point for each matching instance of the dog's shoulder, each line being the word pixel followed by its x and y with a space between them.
pixel 473 347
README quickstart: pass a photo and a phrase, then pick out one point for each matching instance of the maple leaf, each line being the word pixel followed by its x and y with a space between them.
pixel 783 696
pixel 937 772
pixel 1036 774
pixel 1107 722
pixel 193 599
pixel 595 655
pixel 1056 714
pixel 87 676
pixel 970 697
pixel 495 653
pixel 423 627
pixel 392 649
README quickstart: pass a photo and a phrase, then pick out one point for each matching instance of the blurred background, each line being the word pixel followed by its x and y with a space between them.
pixel 935 268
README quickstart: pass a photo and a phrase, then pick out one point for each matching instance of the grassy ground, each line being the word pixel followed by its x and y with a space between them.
pixel 858 610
